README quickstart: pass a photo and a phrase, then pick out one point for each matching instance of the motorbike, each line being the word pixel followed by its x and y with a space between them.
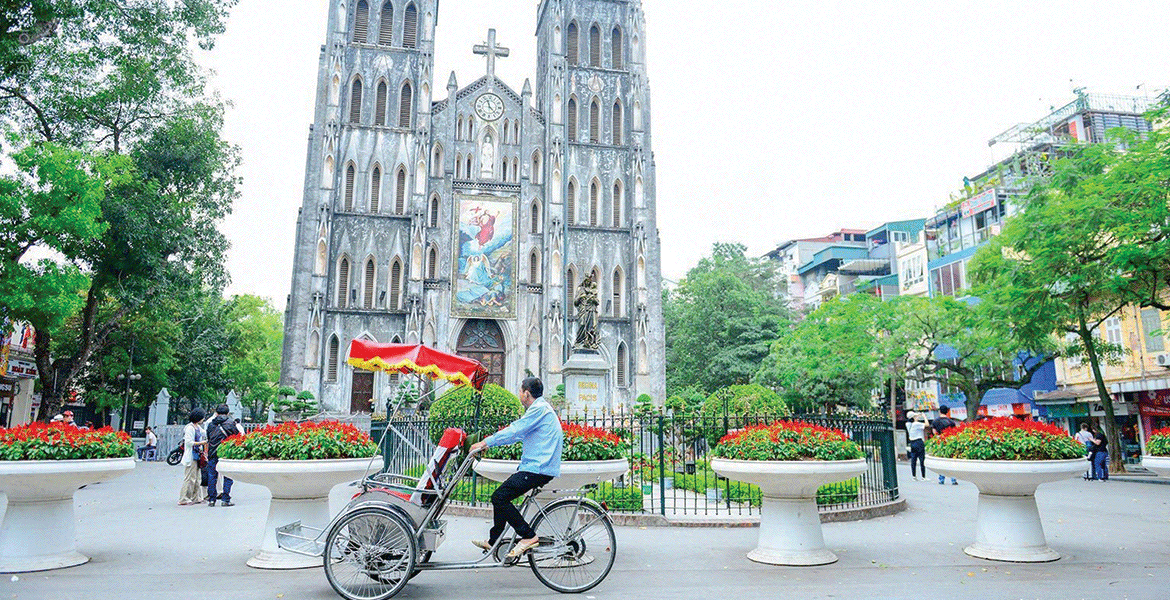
pixel 176 455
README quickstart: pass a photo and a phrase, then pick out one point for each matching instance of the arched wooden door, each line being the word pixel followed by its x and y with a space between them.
pixel 482 340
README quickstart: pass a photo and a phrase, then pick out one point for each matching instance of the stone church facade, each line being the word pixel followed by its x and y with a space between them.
pixel 466 223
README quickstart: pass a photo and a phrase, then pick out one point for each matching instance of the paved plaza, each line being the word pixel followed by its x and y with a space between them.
pixel 1115 539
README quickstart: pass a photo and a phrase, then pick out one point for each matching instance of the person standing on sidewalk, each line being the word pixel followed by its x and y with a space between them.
pixel 939 425
pixel 916 434
pixel 194 444
pixel 1100 456
pixel 222 427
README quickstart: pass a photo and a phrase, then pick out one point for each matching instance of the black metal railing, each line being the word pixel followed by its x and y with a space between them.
pixel 669 459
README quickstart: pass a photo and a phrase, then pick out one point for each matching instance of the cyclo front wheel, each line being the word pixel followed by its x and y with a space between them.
pixel 369 554
pixel 577 546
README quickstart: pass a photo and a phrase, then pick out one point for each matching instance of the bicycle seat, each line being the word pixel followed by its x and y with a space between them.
pixel 428 484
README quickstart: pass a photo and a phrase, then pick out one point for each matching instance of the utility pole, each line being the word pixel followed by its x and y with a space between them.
pixel 128 376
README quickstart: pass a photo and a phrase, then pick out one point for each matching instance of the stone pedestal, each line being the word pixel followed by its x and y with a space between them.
pixel 587 387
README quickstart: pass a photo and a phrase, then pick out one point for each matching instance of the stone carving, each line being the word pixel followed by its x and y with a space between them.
pixel 586 302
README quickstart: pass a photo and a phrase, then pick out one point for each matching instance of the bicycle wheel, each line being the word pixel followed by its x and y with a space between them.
pixel 369 554
pixel 577 546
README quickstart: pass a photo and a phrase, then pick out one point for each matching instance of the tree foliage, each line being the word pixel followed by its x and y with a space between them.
pixel 721 320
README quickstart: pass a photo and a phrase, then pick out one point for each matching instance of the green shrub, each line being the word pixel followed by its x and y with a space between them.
pixel 1005 438
pixel 788 440
pixel 627 499
pixel 739 400
pixel 746 493
pixel 1159 444
pixel 456 408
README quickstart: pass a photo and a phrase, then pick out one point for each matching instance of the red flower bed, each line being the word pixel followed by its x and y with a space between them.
pixel 300 441
pixel 581 442
pixel 1005 438
pixel 788 440
pixel 58 441
pixel 1159 443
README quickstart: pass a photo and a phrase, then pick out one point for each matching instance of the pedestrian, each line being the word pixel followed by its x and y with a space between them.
pixel 194 444
pixel 1084 436
pixel 68 416
pixel 222 427
pixel 1099 455
pixel 540 461
pixel 939 425
pixel 916 433
pixel 151 444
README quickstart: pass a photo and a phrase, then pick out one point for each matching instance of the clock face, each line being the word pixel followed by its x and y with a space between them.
pixel 489 107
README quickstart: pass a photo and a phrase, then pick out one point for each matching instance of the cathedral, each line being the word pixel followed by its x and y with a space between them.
pixel 467 223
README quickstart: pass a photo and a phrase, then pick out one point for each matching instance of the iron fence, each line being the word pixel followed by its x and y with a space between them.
pixel 669 458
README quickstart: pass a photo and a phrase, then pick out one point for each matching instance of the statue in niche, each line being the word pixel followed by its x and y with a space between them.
pixel 586 302
pixel 487 157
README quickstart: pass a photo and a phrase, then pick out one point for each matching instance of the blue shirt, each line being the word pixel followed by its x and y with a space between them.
pixel 540 431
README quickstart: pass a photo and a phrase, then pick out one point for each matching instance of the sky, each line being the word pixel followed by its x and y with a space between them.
pixel 771 120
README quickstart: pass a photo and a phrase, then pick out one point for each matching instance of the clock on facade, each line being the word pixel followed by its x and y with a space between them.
pixel 489 107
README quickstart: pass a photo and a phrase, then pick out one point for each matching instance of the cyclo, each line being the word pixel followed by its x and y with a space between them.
pixel 389 531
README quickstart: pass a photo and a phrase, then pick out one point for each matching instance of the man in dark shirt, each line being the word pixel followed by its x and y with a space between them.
pixel 939 425
pixel 1099 448
pixel 221 428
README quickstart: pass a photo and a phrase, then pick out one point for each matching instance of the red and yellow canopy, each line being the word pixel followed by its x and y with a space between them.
pixel 419 359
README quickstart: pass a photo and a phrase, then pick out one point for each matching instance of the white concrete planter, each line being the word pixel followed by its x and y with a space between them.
pixel 1007 525
pixel 1157 464
pixel 39 529
pixel 790 524
pixel 574 474
pixel 300 492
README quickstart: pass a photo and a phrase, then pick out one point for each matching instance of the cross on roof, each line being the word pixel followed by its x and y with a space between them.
pixel 491 50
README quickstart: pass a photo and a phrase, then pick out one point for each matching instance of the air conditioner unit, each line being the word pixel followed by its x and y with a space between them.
pixel 1163 360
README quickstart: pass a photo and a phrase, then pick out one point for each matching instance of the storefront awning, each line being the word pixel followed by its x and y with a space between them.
pixel 1067 395
pixel 1141 385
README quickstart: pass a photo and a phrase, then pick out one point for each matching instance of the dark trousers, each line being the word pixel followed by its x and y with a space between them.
pixel 1101 465
pixel 917 457
pixel 504 512
pixel 212 480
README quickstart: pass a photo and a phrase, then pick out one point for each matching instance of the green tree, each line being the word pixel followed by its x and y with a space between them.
pixel 721 320
pixel 255 331
pixel 970 345
pixel 833 357
pixel 1055 268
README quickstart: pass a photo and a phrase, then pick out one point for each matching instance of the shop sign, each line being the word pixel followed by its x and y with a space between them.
pixel 1000 410
pixel 959 413
pixel 1068 410
pixel 978 203
pixel 22 369
pixel 1120 409
pixel 1154 403
pixel 7 391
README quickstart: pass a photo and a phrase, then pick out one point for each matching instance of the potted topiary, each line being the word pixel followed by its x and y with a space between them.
pixel 41 466
pixel 299 463
pixel 789 461
pixel 283 405
pixel 1007 459
pixel 1158 448
pixel 306 404
pixel 588 455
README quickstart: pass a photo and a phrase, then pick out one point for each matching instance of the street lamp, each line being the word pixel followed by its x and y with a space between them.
pixel 129 376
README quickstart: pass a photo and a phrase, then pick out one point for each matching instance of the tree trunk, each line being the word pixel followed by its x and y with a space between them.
pixel 1112 432
pixel 973 400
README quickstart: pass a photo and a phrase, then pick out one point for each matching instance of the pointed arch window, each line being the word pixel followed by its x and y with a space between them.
pixel 571 203
pixel 361 22
pixel 380 105
pixel 433 220
pixel 432 262
pixel 622 365
pixel 314 350
pixel 507 131
pixel 386 25
pixel 470 128
pixel 350 176
pixel 536 174
pixel 334 352
pixel 400 192
pixel 618 284
pixel 571 121
pixel 375 189
pixel 617 203
pixel 593 201
pixel 516 170
pixel 368 285
pixel 410 27
pixel 572 37
pixel 594 121
pixel 343 282
pixel 405 104
pixel 616 48
pixel 571 286
pixel 355 101
pixel 535 227
pixel 395 285
pixel 322 261
pixel 467 166
pixel 617 123
pixel 437 161
pixel 534 267
pixel 458 166
pixel 459 129
pixel 595 46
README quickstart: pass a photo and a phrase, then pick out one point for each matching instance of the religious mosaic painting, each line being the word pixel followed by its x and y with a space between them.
pixel 485 263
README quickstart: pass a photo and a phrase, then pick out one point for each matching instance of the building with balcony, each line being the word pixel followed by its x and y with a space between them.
pixel 794 254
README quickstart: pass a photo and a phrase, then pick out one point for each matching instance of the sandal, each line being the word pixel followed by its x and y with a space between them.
pixel 522 547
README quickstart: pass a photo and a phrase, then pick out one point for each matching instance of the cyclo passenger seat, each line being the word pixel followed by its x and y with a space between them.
pixel 449 444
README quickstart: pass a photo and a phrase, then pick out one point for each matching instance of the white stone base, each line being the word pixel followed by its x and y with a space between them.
pixel 1157 464
pixel 313 512
pixel 1008 528
pixel 790 534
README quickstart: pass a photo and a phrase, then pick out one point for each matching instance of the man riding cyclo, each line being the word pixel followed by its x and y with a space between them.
pixel 540 431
